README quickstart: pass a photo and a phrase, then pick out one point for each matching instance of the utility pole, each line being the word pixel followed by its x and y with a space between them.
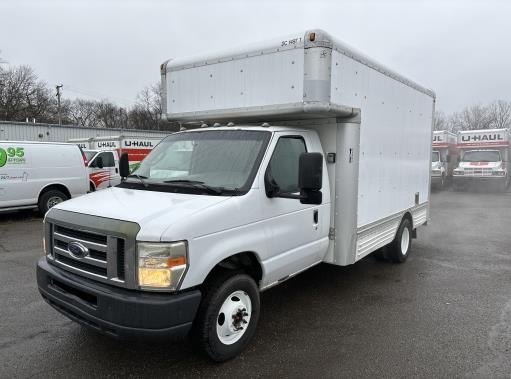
pixel 58 87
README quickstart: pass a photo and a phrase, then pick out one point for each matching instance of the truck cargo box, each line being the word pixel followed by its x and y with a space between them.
pixel 377 123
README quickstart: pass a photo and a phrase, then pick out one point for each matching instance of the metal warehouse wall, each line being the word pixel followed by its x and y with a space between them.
pixel 23 131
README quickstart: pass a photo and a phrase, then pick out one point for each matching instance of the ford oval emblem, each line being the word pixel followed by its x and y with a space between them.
pixel 77 250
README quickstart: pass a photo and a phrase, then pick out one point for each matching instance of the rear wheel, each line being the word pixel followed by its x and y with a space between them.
pixel 227 317
pixel 399 249
pixel 49 199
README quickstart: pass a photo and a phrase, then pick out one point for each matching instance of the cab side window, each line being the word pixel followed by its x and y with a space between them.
pixel 108 159
pixel 283 164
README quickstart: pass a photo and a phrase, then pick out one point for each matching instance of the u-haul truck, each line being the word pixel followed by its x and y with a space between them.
pixel 444 158
pixel 103 154
pixel 324 155
pixel 136 147
pixel 484 158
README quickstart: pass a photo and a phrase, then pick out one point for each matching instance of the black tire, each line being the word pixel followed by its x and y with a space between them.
pixel 49 198
pixel 394 251
pixel 92 187
pixel 216 292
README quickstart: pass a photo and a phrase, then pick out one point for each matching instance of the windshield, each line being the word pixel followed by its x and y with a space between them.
pixel 435 157
pixel 201 161
pixel 89 154
pixel 482 156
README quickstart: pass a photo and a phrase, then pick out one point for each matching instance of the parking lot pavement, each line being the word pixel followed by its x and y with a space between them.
pixel 446 312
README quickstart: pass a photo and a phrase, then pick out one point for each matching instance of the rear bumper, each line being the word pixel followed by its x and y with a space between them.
pixel 114 311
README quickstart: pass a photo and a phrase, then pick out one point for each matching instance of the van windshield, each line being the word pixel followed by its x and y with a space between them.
pixel 435 157
pixel 212 162
pixel 482 156
pixel 89 154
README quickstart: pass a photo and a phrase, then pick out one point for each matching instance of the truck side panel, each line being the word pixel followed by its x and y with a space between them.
pixel 237 83
pixel 395 138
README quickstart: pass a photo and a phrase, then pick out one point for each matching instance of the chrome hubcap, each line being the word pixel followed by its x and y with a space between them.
pixel 52 201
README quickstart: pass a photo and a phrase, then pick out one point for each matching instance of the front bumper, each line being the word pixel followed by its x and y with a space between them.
pixel 474 178
pixel 115 311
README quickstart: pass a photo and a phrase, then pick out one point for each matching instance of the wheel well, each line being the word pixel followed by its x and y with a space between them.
pixel 58 187
pixel 408 216
pixel 246 261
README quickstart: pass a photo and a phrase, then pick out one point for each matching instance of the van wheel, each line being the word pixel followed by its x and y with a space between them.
pixel 49 199
pixel 399 249
pixel 227 317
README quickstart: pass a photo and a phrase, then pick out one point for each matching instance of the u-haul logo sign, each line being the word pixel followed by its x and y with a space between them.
pixel 483 139
pixel 135 143
pixel 106 145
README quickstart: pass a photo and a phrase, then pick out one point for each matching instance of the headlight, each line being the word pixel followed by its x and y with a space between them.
pixel 499 172
pixel 161 265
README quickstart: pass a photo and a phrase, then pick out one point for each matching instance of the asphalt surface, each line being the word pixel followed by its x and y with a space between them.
pixel 445 313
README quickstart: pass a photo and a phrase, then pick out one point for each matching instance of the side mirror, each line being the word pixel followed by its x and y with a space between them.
pixel 124 165
pixel 310 178
pixel 99 162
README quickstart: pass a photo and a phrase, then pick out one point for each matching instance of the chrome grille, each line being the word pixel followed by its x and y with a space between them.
pixel 469 171
pixel 104 261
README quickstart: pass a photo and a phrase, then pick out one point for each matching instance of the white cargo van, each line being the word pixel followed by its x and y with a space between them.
pixel 484 158
pixel 40 174
pixel 444 158
pixel 323 156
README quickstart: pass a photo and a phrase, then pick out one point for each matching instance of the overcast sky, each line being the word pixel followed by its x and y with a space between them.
pixel 112 49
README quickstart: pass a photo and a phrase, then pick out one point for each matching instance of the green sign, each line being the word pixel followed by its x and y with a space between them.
pixel 13 155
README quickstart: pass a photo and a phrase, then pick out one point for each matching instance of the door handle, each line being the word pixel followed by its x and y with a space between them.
pixel 315 216
pixel 116 170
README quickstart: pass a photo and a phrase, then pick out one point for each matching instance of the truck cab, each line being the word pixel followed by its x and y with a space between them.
pixel 103 168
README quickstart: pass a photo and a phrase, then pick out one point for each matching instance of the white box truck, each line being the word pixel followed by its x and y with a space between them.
pixel 323 156
pixel 444 158
pixel 40 174
pixel 484 159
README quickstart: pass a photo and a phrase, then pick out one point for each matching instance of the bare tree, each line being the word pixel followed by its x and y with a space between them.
pixel 500 114
pixel 83 113
pixel 440 122
pixel 23 95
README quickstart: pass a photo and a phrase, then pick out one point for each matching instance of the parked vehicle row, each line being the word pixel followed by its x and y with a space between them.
pixel 103 156
pixel 474 157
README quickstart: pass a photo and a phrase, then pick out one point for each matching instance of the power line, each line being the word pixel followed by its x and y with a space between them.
pixel 98 95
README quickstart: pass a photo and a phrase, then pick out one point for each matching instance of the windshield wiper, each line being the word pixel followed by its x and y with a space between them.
pixel 139 177
pixel 196 183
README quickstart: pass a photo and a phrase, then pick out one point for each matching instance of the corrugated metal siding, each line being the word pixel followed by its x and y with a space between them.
pixel 22 131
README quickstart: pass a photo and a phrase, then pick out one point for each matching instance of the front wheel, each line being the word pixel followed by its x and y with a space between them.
pixel 227 317
pixel 49 199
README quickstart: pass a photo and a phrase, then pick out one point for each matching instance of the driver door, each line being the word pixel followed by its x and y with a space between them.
pixel 292 228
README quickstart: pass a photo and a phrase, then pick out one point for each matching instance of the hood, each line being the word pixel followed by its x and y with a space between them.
pixel 153 211
pixel 492 165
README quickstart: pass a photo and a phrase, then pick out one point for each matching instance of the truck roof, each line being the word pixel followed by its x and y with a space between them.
pixel 283 43
pixel 271 128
